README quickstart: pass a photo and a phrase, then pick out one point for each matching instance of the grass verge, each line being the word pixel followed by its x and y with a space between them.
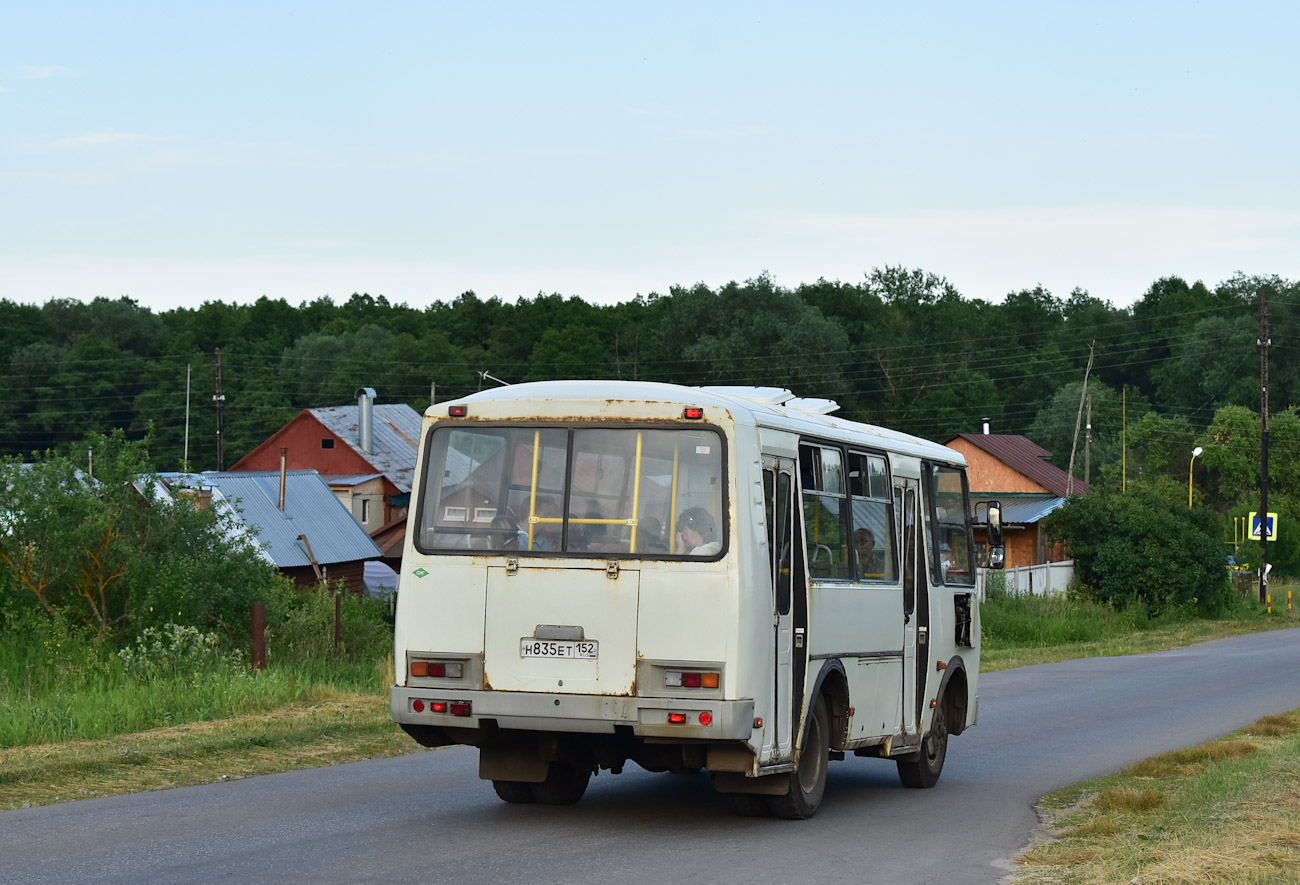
pixel 1020 631
pixel 344 727
pixel 1225 812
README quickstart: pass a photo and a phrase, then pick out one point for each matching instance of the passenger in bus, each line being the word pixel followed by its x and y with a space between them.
pixel 588 535
pixel 871 563
pixel 696 534
pixel 546 535
pixel 648 536
pixel 506 534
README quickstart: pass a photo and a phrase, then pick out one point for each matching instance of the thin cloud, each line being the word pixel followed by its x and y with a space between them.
pixel 93 139
pixel 40 72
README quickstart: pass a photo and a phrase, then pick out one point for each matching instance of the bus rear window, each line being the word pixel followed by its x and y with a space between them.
pixel 586 491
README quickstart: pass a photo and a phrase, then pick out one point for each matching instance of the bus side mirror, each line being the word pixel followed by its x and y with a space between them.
pixel 993 520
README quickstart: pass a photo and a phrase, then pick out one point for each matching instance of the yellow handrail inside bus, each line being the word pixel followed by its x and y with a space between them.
pixel 532 495
pixel 636 494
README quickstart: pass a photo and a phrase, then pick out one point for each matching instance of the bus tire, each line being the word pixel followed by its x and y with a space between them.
pixel 920 772
pixel 746 804
pixel 808 781
pixel 564 784
pixel 516 792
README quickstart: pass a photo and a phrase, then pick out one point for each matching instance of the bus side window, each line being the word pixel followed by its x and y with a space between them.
pixel 873 518
pixel 824 512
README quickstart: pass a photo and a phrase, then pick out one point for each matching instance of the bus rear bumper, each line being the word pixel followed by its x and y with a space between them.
pixel 680 718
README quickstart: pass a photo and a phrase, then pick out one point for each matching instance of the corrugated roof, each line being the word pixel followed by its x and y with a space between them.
pixel 310 509
pixel 1029 509
pixel 1025 456
pixel 394 440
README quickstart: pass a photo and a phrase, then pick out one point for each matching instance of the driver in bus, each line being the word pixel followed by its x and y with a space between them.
pixel 696 534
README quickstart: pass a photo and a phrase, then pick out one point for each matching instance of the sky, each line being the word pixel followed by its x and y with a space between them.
pixel 178 153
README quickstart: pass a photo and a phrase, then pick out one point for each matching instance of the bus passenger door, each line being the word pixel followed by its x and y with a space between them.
pixel 778 495
pixel 913 579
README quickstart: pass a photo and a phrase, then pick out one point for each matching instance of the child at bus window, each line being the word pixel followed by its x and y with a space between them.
pixel 546 535
pixel 505 533
pixel 648 538
pixel 696 534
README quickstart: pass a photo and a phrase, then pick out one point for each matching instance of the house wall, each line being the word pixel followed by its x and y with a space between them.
pixel 1021 543
pixel 372 491
pixel 353 574
pixel 303 438
pixel 987 474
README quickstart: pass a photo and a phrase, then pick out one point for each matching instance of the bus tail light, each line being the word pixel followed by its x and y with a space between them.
pixel 459 708
pixel 438 669
pixel 690 679
pixel 677 718
pixel 706 718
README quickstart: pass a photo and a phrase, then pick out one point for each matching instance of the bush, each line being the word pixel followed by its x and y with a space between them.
pixel 178 652
pixel 300 624
pixel 1145 547
pixel 112 555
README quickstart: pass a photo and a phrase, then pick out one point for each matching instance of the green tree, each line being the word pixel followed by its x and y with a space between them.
pixel 1146 546
pixel 109 553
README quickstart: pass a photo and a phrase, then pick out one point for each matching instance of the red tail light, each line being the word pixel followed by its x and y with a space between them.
pixel 677 718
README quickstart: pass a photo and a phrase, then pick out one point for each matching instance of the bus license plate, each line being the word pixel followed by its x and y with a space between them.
pixel 557 648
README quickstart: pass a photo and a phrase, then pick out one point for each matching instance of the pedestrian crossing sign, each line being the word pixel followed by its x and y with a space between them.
pixel 1255 526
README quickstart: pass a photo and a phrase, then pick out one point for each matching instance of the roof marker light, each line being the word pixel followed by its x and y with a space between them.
pixel 457 411
pixel 693 413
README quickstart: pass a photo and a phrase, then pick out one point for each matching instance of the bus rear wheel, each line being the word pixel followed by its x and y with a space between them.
pixel 922 771
pixel 564 785
pixel 808 781
pixel 516 792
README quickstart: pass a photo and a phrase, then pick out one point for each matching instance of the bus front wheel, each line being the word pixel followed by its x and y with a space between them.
pixel 922 771
pixel 808 781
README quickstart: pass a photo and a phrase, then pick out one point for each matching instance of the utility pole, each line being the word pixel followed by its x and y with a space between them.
pixel 1087 446
pixel 220 400
pixel 1263 445
pixel 1069 480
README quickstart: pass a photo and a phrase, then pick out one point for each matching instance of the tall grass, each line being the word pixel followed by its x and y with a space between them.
pixel 1031 621
pixel 56 684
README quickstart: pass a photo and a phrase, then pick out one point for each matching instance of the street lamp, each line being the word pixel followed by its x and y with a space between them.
pixel 1196 451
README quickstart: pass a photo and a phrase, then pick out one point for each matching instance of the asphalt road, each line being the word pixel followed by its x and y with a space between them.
pixel 427 817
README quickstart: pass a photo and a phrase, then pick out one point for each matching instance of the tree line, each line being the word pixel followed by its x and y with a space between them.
pixel 902 348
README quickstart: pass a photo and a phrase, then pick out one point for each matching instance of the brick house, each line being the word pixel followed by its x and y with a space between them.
pixel 364 452
pixel 1018 472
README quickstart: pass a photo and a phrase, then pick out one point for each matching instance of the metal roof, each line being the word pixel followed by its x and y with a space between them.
pixel 310 509
pixel 1026 457
pixel 1020 509
pixel 348 479
pixel 396 434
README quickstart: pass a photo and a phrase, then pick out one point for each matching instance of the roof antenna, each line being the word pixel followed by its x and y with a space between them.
pixel 489 377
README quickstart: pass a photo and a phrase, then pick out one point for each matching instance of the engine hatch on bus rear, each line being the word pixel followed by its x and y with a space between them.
pixel 564 629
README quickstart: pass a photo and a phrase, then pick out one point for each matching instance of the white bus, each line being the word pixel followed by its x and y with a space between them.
pixel 727 579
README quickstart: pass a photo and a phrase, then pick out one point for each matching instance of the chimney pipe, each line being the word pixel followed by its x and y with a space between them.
pixel 366 419
pixel 986 426
pixel 284 471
